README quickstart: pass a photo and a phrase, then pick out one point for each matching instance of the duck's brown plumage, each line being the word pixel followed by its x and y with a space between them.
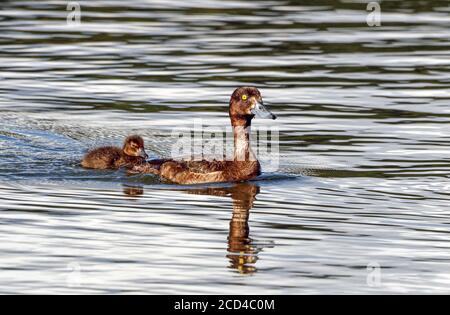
pixel 199 172
pixel 243 103
pixel 132 154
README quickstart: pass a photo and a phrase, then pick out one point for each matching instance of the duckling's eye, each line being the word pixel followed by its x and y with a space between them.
pixel 244 97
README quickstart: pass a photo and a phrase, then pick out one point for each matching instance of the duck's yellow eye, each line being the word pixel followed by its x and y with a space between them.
pixel 244 97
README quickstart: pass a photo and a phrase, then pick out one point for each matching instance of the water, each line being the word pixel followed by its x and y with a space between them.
pixel 364 164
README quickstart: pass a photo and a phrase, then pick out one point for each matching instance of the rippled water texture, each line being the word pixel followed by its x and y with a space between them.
pixel 358 205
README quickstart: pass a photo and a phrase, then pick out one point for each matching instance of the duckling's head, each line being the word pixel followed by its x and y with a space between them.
pixel 245 103
pixel 134 146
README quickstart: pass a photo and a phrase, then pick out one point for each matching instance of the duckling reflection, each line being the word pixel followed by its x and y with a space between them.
pixel 242 251
pixel 133 191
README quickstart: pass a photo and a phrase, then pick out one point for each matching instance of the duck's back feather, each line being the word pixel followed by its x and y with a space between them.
pixel 200 172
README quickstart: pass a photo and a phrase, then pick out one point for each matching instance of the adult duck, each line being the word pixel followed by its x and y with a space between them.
pixel 245 104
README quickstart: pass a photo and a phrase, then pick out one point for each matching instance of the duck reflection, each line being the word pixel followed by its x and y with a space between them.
pixel 242 250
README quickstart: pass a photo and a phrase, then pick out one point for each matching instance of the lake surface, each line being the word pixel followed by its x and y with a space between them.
pixel 359 203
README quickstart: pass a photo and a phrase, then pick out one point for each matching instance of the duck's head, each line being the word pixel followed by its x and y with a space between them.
pixel 246 103
pixel 134 146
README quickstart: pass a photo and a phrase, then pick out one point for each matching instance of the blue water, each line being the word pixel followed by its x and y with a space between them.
pixel 359 203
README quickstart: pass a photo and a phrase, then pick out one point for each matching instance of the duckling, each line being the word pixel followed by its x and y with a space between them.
pixel 132 154
pixel 245 104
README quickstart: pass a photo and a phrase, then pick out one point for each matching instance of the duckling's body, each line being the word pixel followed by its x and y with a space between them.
pixel 245 103
pixel 110 158
pixel 132 154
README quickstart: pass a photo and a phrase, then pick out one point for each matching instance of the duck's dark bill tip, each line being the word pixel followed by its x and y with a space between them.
pixel 274 117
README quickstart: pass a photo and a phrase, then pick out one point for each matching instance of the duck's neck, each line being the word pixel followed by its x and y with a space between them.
pixel 242 149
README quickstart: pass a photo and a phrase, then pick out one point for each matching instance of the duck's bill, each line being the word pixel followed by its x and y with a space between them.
pixel 261 111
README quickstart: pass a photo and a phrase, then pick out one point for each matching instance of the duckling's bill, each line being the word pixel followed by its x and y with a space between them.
pixel 142 153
